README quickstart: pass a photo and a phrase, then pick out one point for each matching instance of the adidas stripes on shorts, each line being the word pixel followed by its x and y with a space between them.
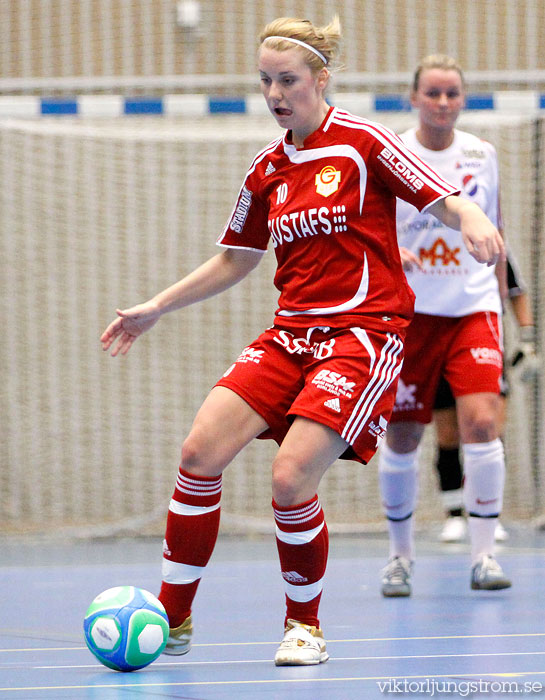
pixel 345 379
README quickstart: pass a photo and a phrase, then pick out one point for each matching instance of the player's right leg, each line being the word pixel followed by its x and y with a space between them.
pixel 398 482
pixel 223 426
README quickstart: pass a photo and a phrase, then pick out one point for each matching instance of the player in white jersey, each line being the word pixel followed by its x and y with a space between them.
pixel 523 366
pixel 451 282
pixel 321 381
pixel 455 334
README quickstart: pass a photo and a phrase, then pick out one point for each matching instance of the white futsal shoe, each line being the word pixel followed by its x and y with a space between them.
pixel 454 529
pixel 500 533
pixel 396 578
pixel 302 645
pixel 179 639
pixel 487 575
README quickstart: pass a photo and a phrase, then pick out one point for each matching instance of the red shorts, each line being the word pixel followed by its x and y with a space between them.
pixel 345 379
pixel 466 351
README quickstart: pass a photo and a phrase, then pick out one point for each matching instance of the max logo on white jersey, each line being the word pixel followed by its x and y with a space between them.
pixel 440 253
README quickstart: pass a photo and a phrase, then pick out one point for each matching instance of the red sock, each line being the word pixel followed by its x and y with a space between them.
pixel 303 543
pixel 191 533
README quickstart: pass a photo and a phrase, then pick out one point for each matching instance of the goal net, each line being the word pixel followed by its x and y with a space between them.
pixel 96 214
pixel 70 46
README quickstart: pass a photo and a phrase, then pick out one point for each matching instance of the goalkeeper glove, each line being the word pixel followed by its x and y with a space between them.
pixel 525 361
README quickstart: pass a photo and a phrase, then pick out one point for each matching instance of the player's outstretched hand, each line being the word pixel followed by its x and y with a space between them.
pixel 485 245
pixel 481 237
pixel 124 330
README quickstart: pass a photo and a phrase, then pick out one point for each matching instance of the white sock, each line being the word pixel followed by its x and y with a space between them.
pixel 484 469
pixel 398 481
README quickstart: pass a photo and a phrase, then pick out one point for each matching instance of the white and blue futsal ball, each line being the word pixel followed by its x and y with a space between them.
pixel 126 628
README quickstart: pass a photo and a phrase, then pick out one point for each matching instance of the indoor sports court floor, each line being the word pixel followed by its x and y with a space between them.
pixel 445 641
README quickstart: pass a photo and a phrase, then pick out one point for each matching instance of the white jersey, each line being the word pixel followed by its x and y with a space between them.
pixel 452 282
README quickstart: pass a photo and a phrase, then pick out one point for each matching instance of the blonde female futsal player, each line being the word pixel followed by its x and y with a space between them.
pixel 456 333
pixel 321 381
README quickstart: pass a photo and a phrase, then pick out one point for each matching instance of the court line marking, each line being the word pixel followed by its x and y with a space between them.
pixel 232 662
pixel 330 641
pixel 279 680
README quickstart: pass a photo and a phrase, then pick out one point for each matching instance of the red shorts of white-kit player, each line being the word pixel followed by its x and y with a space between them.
pixel 344 379
pixel 467 351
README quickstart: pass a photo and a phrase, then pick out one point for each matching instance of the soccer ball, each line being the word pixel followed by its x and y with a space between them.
pixel 126 628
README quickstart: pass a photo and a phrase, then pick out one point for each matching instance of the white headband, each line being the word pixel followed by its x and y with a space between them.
pixel 303 44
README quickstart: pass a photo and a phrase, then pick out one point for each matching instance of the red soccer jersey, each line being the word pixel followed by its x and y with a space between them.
pixel 329 210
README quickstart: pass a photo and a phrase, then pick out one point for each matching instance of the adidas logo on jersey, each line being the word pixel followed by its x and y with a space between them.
pixel 270 169
pixel 334 404
pixel 293 577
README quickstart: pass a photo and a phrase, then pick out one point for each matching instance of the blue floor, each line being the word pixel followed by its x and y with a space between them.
pixel 444 638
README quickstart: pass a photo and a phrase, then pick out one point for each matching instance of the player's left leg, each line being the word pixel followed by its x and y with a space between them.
pixel 425 343
pixel 398 481
pixel 500 533
pixel 307 451
pixel 473 369
pixel 484 469
pixel 449 469
pixel 223 426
